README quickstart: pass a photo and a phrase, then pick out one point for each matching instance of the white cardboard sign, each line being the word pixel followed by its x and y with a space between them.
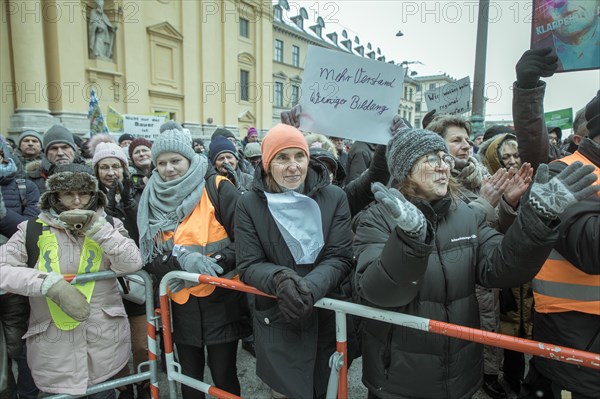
pixel 147 126
pixel 452 98
pixel 347 96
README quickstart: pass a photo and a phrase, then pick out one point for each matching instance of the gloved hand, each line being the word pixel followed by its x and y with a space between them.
pixel 68 298
pixel 428 118
pixel 231 175
pixel 124 189
pixel 471 176
pixel 407 216
pixel 83 221
pixel 550 197
pixel 292 117
pixel 177 285
pixel 399 123
pixel 534 64
pixel 194 262
pixel 293 295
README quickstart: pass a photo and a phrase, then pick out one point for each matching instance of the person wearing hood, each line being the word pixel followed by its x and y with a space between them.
pixel 224 157
pixel 184 227
pixel 87 322
pixel 420 251
pixel 59 149
pixel 293 241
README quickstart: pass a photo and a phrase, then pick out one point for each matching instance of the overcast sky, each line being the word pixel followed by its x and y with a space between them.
pixel 442 35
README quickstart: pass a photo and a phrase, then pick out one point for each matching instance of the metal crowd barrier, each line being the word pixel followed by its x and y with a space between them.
pixel 338 380
pixel 152 321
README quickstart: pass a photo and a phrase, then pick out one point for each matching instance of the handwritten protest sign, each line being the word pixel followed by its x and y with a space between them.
pixel 344 95
pixel 146 126
pixel 452 98
pixel 570 28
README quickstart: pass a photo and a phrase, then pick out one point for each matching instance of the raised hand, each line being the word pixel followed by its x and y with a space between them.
pixel 518 184
pixel 292 117
pixel 407 216
pixel 534 64
pixel 550 197
pixel 493 188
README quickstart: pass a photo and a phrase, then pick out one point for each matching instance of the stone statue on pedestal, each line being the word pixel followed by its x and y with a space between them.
pixel 101 33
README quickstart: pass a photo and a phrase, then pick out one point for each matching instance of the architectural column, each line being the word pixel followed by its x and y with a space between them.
pixel 29 66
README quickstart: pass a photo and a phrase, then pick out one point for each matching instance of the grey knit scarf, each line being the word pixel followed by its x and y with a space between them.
pixel 165 204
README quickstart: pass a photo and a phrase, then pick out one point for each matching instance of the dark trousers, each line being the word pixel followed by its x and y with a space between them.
pixel 26 388
pixel 513 366
pixel 221 362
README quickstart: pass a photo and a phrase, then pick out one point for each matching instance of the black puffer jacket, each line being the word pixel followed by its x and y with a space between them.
pixel 436 279
pixel 292 358
pixel 359 159
pixel 18 209
pixel 578 242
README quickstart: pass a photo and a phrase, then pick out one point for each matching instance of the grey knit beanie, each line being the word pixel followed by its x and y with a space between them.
pixel 58 134
pixel 172 138
pixel 407 146
pixel 28 133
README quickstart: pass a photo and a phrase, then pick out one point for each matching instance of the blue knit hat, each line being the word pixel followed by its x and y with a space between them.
pixel 218 146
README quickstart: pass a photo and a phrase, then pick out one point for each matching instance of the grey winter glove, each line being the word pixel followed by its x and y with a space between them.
pixel 550 197
pixel 293 295
pixel 194 262
pixel 83 221
pixel 177 285
pixel 68 298
pixel 471 176
pixel 534 64
pixel 407 216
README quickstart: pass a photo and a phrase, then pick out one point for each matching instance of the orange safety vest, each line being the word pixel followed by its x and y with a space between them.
pixel 200 232
pixel 560 286
pixel 577 156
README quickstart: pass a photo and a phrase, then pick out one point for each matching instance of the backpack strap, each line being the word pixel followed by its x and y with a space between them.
pixel 212 189
pixel 22 185
pixel 32 234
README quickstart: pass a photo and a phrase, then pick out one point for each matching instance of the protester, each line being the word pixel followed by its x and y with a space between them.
pixel 198 145
pixel 293 240
pixel 59 149
pixel 406 248
pixel 251 137
pixel 181 224
pixel 224 157
pixel 29 147
pixel 77 235
pixel 125 140
pixel 141 162
pixel 253 154
pixel 243 164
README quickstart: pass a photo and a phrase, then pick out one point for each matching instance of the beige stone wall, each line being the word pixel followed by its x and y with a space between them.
pixel 183 57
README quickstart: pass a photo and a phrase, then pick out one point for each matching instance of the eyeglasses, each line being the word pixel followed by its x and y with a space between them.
pixel 106 168
pixel 435 161
pixel 71 195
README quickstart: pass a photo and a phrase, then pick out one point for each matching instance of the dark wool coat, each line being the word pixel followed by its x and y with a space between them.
pixel 436 279
pixel 292 357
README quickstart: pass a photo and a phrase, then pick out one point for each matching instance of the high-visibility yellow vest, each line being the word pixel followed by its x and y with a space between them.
pixel 560 286
pixel 89 262
pixel 199 232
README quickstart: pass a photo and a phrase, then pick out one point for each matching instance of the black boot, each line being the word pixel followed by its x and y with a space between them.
pixel 126 393
pixel 143 390
pixel 492 387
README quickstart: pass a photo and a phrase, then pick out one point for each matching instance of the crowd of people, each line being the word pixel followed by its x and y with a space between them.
pixel 495 230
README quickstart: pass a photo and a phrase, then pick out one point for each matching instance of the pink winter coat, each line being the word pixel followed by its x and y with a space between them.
pixel 67 362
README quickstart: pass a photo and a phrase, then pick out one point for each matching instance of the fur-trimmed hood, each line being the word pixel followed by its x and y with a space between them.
pixel 488 151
